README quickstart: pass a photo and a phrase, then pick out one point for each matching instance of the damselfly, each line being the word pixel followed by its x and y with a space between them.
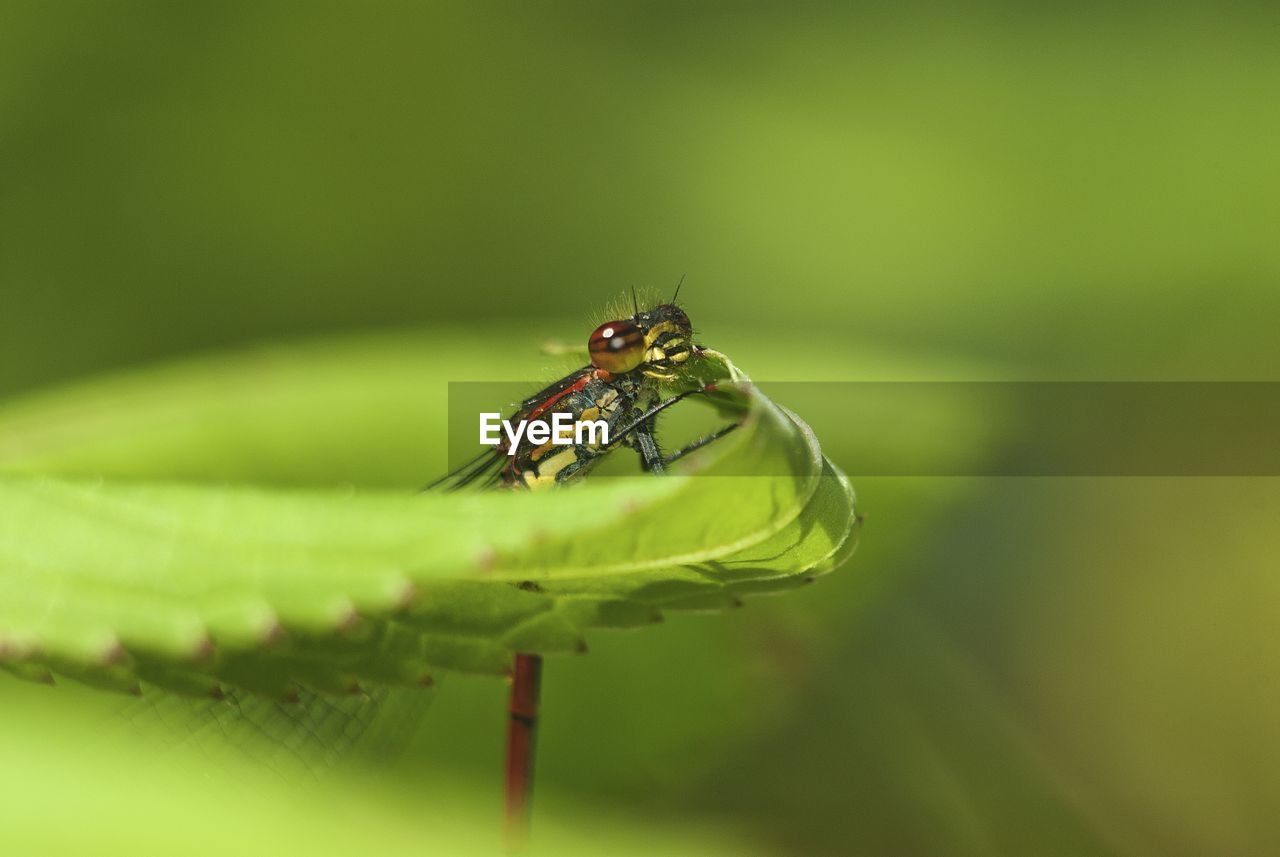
pixel 633 361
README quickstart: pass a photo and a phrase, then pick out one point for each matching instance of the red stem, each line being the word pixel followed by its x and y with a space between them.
pixel 521 732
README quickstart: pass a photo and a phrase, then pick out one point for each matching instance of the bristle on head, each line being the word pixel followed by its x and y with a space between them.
pixel 624 305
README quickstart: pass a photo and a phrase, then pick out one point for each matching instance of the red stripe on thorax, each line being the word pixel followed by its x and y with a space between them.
pixel 572 388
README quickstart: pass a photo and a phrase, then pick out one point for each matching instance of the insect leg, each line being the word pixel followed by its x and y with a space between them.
pixel 699 443
pixel 647 445
pixel 646 418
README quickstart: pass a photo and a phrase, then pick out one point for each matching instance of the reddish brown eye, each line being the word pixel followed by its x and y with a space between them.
pixel 616 347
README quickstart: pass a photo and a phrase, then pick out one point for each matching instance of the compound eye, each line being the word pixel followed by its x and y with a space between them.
pixel 616 347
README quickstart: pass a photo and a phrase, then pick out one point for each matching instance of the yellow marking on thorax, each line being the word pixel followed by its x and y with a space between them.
pixel 547 470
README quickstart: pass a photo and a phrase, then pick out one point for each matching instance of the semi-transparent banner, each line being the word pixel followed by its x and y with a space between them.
pixel 946 428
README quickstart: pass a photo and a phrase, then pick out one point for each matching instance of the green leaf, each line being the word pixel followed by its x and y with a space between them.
pixel 131 551
pixel 137 794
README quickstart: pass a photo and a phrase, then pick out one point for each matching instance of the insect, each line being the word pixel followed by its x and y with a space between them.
pixel 631 361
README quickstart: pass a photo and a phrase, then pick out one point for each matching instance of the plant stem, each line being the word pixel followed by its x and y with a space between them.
pixel 521 732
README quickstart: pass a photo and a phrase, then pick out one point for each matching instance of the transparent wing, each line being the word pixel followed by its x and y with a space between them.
pixel 295 740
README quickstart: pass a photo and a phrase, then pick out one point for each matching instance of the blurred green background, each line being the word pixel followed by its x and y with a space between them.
pixel 1008 666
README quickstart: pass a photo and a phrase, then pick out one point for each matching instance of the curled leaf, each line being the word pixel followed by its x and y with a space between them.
pixel 114 572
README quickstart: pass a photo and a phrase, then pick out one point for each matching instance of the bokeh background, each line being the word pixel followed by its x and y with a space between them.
pixel 1038 191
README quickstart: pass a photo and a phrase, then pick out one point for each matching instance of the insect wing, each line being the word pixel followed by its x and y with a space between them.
pixel 485 470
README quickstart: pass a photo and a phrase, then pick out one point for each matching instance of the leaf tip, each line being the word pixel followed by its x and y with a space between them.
pixel 202 649
pixel 347 619
pixel 110 652
pixel 629 506
pixel 12 650
pixel 486 558
pixel 270 631
pixel 404 594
